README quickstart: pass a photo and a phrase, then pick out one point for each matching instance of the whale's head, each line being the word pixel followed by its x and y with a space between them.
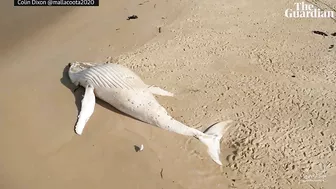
pixel 76 67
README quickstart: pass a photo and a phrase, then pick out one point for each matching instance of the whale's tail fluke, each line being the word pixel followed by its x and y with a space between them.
pixel 212 139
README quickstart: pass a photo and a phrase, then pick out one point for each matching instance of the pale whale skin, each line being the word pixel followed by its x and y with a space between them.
pixel 124 90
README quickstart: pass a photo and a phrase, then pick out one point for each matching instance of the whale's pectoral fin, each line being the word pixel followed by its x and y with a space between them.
pixel 88 104
pixel 159 91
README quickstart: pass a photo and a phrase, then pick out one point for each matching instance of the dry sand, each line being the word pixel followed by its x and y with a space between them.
pixel 240 60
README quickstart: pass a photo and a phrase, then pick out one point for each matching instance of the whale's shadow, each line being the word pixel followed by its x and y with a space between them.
pixel 78 94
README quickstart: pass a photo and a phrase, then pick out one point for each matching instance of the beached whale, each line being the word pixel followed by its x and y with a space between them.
pixel 124 90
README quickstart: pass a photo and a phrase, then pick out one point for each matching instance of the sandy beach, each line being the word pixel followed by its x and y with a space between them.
pixel 238 60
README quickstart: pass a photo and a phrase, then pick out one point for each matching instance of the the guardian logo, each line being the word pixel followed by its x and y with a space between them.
pixel 305 10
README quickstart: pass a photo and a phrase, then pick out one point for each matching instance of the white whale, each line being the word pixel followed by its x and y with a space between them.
pixel 124 90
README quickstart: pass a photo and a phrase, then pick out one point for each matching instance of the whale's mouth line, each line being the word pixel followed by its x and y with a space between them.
pixel 75 67
pixel 80 66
